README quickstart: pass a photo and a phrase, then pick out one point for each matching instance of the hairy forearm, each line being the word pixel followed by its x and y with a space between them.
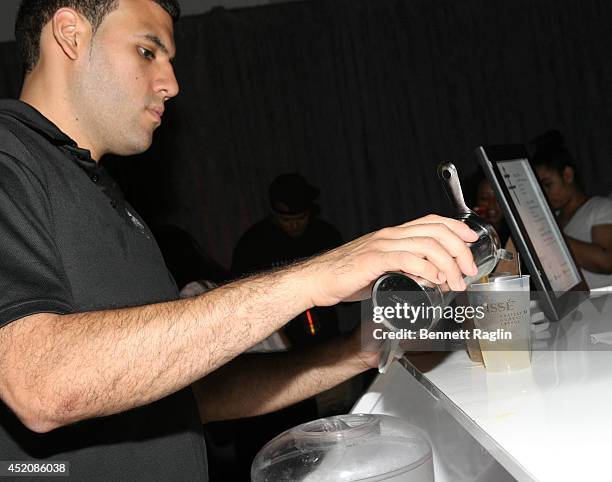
pixel 591 257
pixel 99 363
pixel 256 384
pixel 56 370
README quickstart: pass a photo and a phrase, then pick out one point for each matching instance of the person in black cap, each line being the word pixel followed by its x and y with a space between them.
pixel 292 231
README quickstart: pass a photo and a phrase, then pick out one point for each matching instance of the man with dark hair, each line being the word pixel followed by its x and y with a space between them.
pixel 34 15
pixel 100 364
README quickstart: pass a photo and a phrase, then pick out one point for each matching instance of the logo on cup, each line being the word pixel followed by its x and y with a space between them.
pixel 507 305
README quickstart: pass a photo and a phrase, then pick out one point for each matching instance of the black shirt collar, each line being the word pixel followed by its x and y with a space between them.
pixel 28 115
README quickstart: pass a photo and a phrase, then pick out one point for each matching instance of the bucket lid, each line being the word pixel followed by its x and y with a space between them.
pixel 355 447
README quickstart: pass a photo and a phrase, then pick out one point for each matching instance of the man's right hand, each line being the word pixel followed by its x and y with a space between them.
pixel 432 247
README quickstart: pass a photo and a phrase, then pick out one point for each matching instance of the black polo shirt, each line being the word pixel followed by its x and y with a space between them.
pixel 70 243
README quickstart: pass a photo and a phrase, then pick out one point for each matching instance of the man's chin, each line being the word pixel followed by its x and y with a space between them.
pixel 135 147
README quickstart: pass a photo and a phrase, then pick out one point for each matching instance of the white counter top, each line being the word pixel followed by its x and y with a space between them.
pixel 552 422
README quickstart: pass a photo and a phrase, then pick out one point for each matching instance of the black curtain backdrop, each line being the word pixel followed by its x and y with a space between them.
pixel 365 98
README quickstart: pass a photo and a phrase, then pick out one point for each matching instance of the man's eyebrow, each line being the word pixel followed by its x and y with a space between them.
pixel 157 41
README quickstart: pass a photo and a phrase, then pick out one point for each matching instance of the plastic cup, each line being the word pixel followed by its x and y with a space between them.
pixel 502 322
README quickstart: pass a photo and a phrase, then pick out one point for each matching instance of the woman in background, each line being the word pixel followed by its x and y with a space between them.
pixel 488 208
pixel 481 197
pixel 585 221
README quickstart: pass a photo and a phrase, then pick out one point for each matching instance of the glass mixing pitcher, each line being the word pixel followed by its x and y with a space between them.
pixel 393 289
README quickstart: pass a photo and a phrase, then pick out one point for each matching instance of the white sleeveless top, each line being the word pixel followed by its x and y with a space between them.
pixel 596 211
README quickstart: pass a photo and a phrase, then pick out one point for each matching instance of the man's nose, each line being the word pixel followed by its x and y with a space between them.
pixel 166 84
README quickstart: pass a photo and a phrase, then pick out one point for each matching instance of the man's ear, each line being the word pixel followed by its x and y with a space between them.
pixel 568 174
pixel 69 31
